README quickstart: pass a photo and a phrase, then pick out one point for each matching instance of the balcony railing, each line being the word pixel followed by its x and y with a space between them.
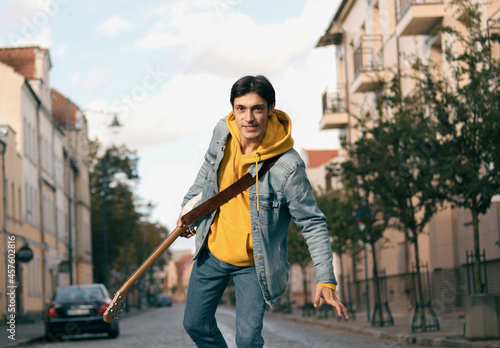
pixel 419 17
pixel 404 5
pixel 333 102
pixel 368 54
pixel 335 113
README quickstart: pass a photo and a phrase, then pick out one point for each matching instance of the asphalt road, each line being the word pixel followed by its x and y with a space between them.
pixel 162 327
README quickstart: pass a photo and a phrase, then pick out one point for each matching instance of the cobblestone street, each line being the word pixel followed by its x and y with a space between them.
pixel 163 328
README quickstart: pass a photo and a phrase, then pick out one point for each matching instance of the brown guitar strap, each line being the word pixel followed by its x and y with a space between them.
pixel 225 195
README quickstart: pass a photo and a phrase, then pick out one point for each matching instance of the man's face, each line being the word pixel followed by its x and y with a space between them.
pixel 251 113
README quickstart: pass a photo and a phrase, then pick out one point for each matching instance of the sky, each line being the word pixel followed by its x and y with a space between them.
pixel 165 69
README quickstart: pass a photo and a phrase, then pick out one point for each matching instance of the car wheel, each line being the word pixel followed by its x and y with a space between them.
pixel 114 332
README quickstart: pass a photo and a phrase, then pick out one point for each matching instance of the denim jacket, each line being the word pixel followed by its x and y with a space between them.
pixel 284 192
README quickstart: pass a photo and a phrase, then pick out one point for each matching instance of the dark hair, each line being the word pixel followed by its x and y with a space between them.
pixel 258 84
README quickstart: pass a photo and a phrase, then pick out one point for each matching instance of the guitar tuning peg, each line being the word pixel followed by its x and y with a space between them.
pixel 115 303
pixel 111 310
pixel 115 316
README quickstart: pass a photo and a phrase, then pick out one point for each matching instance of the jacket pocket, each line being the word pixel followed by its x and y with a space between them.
pixel 210 158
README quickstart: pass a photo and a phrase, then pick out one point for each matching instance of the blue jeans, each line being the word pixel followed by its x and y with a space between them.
pixel 209 279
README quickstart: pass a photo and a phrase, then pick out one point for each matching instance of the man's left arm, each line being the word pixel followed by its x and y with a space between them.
pixel 304 209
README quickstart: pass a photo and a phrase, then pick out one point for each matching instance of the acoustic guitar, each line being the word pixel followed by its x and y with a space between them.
pixel 118 302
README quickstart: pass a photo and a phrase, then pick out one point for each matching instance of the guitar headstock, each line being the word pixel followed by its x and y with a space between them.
pixel 116 305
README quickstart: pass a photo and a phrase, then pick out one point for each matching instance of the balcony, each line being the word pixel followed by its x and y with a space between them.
pixel 419 17
pixel 335 115
pixel 369 70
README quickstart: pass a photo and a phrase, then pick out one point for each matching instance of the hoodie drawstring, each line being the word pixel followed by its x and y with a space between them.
pixel 257 158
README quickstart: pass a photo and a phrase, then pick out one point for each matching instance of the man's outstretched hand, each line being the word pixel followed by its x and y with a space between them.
pixel 324 294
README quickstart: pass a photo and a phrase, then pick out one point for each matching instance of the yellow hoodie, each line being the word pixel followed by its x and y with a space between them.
pixel 230 238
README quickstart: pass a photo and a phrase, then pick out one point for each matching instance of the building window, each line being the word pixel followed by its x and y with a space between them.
pixel 20 204
pixel 13 201
pixel 37 208
pixel 27 136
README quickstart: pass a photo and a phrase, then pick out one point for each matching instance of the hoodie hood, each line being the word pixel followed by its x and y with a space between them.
pixel 278 138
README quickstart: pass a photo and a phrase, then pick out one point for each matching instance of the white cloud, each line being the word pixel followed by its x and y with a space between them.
pixel 179 108
pixel 237 45
pixel 41 37
pixel 28 21
pixel 96 79
pixel 114 25
pixel 18 12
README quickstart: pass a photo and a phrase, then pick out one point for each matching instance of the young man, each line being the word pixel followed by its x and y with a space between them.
pixel 246 238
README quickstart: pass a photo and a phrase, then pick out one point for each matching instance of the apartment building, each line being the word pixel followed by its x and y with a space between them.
pixel 373 39
pixel 75 184
pixel 39 214
pixel 10 203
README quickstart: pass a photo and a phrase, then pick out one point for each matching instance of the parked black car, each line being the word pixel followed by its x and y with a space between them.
pixel 79 309
pixel 163 300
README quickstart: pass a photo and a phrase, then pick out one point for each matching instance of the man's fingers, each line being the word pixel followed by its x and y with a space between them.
pixel 188 233
pixel 342 311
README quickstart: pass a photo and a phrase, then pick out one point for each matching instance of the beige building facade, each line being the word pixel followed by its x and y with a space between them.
pixel 374 38
pixel 36 210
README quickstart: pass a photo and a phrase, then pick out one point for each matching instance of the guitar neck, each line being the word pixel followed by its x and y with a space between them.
pixel 152 258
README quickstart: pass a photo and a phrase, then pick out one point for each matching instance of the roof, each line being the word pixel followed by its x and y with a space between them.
pixel 22 59
pixel 334 33
pixel 317 158
pixel 63 109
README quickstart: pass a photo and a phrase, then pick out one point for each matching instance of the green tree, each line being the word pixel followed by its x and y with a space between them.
pixel 409 185
pixel 466 104
pixel 121 237
pixel 358 175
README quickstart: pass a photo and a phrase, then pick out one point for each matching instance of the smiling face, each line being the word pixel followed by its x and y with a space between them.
pixel 251 113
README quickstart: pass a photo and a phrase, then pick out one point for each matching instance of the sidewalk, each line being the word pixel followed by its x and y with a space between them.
pixel 25 331
pixel 449 335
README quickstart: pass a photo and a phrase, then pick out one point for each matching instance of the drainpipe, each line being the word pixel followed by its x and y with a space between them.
pixel 4 227
pixel 40 203
pixel 70 170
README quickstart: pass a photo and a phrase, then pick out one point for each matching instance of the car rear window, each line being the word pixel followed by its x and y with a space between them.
pixel 79 294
